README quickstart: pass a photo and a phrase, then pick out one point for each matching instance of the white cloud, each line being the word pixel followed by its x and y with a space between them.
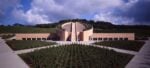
pixel 44 11
pixel 129 4
pixel 109 17
pixel 36 18
pixel 91 6
pixel 30 16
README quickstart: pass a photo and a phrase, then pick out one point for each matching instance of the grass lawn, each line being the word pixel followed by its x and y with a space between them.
pixel 128 45
pixel 75 56
pixel 26 44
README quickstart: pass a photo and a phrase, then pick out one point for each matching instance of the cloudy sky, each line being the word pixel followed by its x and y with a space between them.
pixel 48 11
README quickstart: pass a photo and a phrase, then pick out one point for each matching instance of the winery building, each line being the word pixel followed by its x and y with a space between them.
pixel 75 31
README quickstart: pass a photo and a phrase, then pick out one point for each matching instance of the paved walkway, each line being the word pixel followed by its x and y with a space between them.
pixel 142 59
pixel 76 42
pixel 33 49
pixel 8 59
pixel 117 50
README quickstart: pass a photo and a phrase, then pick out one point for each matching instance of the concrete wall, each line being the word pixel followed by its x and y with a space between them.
pixel 66 26
pixel 63 34
pixel 20 36
pixel 73 32
pixel 66 35
pixel 78 32
pixel 87 34
pixel 130 36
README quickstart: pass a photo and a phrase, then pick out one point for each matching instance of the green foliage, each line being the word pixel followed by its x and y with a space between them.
pixel 26 44
pixel 99 26
pixel 76 56
pixel 50 25
pixel 25 29
pixel 107 27
pixel 129 45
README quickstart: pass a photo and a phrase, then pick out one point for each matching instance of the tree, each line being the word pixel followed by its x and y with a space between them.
pixel 18 24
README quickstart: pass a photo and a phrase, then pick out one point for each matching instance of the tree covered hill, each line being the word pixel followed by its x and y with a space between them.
pixel 99 26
